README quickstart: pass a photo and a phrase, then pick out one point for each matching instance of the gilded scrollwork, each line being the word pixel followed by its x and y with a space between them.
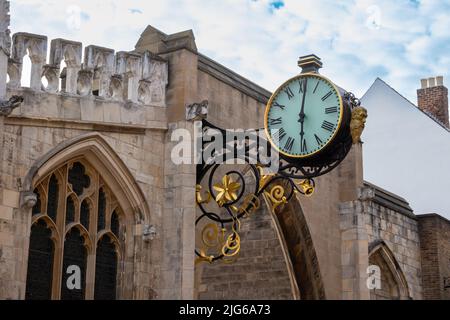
pixel 226 199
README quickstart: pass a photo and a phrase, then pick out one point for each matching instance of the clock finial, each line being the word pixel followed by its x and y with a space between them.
pixel 310 63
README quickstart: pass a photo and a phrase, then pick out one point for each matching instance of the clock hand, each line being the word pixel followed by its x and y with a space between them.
pixel 302 115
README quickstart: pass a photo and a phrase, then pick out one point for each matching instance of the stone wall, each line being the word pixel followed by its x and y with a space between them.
pixel 260 272
pixel 434 233
pixel 379 216
pixel 120 99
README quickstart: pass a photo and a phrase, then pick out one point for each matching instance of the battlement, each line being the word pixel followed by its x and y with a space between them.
pixel 138 78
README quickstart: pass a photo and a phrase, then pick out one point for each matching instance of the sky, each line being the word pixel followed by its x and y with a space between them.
pixel 399 41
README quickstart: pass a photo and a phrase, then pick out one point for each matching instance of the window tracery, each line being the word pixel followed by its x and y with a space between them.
pixel 76 222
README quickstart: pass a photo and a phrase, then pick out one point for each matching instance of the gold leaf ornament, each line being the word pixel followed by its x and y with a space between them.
pixel 276 196
pixel 232 245
pixel 199 197
pixel 210 235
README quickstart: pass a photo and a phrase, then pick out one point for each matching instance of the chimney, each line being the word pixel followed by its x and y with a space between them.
pixel 433 99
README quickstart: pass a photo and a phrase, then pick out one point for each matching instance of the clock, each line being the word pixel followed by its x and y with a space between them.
pixel 306 116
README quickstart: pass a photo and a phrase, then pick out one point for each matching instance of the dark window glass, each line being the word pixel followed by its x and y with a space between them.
pixel 53 192
pixel 74 255
pixel 101 210
pixel 115 224
pixel 78 178
pixel 85 214
pixel 106 270
pixel 70 211
pixel 37 206
pixel 40 263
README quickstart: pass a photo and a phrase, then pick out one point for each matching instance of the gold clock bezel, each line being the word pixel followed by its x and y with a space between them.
pixel 270 103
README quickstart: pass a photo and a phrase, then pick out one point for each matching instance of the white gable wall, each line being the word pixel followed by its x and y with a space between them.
pixel 405 151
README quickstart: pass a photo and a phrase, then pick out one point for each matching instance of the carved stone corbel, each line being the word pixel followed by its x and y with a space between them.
pixel 149 233
pixel 28 200
pixel 197 111
pixel 366 194
pixel 7 107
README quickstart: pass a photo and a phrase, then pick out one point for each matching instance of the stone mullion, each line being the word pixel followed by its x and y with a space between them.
pixel 61 225
pixel 91 261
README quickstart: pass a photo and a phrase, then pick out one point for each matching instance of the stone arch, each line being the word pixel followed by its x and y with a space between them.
pixel 393 281
pixel 95 150
pixel 301 252
pixel 100 168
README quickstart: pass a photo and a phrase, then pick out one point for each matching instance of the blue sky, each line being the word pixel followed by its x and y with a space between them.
pixel 400 41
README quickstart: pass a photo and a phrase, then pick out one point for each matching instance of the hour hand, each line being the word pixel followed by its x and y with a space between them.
pixel 302 111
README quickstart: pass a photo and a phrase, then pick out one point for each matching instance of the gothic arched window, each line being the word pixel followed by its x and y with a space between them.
pixel 393 284
pixel 76 240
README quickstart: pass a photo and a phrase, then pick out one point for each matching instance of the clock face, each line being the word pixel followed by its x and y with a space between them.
pixel 304 115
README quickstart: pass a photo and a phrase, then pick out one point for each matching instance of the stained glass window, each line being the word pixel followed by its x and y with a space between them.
pixel 85 214
pixel 105 270
pixel 75 255
pixel 78 178
pixel 70 211
pixel 40 262
pixel 70 194
pixel 53 193
pixel 101 210
pixel 37 207
pixel 115 224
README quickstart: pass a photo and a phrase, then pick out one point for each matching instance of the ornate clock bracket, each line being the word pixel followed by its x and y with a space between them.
pixel 226 196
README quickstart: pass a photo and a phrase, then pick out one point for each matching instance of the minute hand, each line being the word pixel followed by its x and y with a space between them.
pixel 302 114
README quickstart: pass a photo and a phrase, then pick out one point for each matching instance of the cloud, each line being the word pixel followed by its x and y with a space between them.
pixel 401 41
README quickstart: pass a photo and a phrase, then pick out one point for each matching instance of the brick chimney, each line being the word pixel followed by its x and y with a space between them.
pixel 433 99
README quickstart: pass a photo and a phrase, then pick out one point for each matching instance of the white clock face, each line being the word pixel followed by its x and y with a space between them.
pixel 304 115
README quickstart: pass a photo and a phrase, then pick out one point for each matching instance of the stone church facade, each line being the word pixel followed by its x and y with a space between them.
pixel 86 179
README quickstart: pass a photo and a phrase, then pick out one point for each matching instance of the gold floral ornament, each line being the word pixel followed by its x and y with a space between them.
pixel 226 191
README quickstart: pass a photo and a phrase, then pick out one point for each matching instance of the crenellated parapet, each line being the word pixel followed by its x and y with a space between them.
pixel 5 45
pixel 139 78
pixel 5 38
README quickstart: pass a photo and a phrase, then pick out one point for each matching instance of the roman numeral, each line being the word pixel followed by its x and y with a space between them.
pixel 289 93
pixel 331 110
pixel 302 83
pixel 327 126
pixel 279 135
pixel 325 97
pixel 304 147
pixel 277 105
pixel 317 86
pixel 275 122
pixel 289 144
pixel 319 141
